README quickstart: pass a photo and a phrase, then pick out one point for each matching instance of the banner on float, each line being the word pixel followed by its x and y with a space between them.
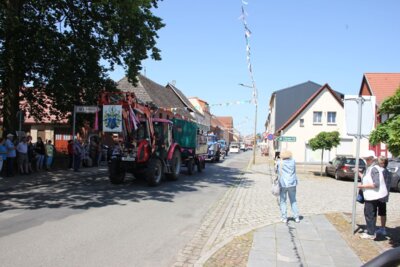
pixel 112 118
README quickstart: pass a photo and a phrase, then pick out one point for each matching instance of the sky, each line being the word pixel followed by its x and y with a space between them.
pixel 203 49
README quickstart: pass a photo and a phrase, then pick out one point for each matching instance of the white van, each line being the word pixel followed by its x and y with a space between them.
pixel 234 148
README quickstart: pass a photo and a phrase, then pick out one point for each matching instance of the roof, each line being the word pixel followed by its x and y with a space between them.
pixel 336 95
pixel 150 92
pixel 227 121
pixel 290 99
pixel 183 98
pixel 381 85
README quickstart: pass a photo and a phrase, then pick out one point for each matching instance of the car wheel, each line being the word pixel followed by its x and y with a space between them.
pixel 398 186
pixel 326 172
pixel 337 177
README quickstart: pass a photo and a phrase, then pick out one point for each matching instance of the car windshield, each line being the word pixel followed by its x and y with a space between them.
pixel 352 161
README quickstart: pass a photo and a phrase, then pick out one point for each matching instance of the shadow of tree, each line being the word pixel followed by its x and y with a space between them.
pixel 92 189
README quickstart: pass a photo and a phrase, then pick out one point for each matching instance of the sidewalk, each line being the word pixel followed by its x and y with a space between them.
pixel 315 241
pixel 312 242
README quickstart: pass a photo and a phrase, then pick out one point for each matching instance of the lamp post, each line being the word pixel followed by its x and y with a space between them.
pixel 255 117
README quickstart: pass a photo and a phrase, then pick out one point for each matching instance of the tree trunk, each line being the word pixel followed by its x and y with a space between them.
pixel 322 160
pixel 13 71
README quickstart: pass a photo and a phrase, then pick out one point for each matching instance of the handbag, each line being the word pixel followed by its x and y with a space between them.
pixel 360 196
pixel 276 188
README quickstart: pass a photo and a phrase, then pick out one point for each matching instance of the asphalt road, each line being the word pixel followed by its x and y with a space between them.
pixel 73 221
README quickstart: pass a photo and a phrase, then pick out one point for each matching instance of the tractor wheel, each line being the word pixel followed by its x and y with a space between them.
pixel 154 172
pixel 175 163
pixel 116 172
pixel 190 166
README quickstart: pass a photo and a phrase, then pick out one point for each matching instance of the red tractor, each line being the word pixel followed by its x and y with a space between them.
pixel 146 148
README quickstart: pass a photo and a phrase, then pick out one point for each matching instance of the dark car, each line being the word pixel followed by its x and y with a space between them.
pixel 394 169
pixel 342 167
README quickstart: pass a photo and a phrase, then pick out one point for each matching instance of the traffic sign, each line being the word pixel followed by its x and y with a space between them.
pixel 270 137
pixel 287 138
pixel 86 109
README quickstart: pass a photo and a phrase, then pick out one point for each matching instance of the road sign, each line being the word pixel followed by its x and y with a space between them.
pixel 270 137
pixel 86 109
pixel 287 138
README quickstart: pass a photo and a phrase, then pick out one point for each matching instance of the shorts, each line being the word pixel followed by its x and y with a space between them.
pixel 381 208
pixel 22 158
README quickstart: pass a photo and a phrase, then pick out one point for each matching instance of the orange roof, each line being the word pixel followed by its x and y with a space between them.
pixel 382 85
pixel 226 121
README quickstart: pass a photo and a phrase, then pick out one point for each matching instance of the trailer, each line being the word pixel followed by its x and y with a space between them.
pixel 192 142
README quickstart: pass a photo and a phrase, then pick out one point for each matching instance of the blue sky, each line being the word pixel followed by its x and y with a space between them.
pixel 203 49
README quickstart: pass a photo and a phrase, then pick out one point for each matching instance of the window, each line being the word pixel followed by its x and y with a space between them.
pixel 301 122
pixel 331 117
pixel 317 119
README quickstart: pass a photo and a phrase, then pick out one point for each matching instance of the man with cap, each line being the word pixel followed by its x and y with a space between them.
pixel 11 155
pixel 374 188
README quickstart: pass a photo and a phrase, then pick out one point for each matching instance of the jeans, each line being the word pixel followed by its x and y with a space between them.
pixel 49 161
pixel 370 209
pixel 291 191
pixel 10 166
pixel 39 161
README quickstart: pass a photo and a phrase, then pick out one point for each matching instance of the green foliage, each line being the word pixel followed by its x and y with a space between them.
pixel 325 141
pixel 388 132
pixel 64 49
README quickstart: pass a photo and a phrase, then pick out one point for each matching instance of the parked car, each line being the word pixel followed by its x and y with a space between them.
pixel 243 147
pixel 394 169
pixel 234 148
pixel 342 167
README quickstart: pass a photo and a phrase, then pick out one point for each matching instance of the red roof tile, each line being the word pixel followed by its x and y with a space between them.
pixel 382 85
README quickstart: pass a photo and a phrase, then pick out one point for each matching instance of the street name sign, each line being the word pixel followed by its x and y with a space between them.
pixel 86 109
pixel 287 138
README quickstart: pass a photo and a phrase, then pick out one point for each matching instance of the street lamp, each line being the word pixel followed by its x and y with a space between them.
pixel 255 117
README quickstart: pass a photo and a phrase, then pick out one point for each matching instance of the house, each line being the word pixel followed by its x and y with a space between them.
pixel 227 124
pixel 162 98
pixel 198 117
pixel 204 109
pixel 382 86
pixel 299 113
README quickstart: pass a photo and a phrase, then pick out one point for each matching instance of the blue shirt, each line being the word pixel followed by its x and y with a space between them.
pixel 286 170
pixel 3 152
pixel 11 153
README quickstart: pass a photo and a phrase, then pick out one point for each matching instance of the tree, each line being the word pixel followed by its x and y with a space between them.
pixel 388 132
pixel 54 54
pixel 324 141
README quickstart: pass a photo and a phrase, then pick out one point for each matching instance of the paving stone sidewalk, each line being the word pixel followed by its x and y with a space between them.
pixel 312 242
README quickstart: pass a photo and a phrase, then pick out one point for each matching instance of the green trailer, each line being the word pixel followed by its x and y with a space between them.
pixel 192 142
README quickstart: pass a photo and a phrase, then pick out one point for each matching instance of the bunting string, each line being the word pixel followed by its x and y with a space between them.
pixel 247 34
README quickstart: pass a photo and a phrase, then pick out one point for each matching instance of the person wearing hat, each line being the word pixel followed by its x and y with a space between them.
pixel 11 155
pixel 286 170
pixel 374 188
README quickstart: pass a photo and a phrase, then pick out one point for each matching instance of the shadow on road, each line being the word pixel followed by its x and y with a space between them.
pixel 63 189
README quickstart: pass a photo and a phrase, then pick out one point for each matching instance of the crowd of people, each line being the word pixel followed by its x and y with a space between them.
pixel 21 156
pixel 28 157
pixel 375 185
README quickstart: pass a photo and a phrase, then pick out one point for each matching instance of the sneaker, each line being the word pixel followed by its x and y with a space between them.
pixel 367 236
pixel 284 220
pixel 297 220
